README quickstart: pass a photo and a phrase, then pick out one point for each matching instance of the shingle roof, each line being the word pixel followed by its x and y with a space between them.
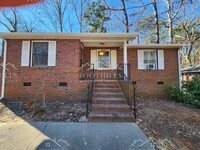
pixel 191 69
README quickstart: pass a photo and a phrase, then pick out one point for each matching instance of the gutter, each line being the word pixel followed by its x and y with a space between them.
pixel 179 70
pixel 4 70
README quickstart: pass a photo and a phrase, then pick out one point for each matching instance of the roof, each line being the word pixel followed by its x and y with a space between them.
pixel 81 36
pixel 191 69
pixel 88 39
pixel 176 46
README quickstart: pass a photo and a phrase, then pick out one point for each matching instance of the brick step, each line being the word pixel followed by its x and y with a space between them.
pixel 110 108
pixel 99 89
pixel 106 85
pixel 108 94
pixel 111 117
pixel 98 100
pixel 105 81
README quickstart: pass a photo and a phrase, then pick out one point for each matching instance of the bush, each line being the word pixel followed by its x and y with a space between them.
pixel 190 94
pixel 194 86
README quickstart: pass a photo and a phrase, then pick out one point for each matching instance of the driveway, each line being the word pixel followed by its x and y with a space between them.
pixel 72 136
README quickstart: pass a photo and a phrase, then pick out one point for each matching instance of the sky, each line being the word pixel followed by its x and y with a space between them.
pixel 27 12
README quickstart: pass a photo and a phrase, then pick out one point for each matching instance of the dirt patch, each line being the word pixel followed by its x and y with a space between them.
pixel 57 111
pixel 170 125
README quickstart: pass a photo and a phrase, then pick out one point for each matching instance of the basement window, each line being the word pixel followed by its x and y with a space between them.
pixel 160 82
pixel 27 83
pixel 63 84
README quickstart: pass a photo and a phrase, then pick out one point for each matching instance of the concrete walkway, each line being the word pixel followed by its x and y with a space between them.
pixel 72 136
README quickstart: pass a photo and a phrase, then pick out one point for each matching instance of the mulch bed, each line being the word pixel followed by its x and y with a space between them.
pixel 170 125
pixel 57 111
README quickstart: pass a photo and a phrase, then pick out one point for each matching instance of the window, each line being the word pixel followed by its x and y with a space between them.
pixel 40 54
pixel 103 59
pixel 150 59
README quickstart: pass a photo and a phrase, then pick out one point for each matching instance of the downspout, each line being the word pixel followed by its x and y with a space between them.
pixel 179 70
pixel 4 70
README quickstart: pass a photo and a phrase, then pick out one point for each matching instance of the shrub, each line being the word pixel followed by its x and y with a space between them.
pixel 183 96
pixel 193 86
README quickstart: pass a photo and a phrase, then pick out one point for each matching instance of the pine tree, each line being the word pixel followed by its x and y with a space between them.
pixel 95 17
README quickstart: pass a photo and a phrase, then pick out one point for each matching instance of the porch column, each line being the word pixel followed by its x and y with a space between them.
pixel 125 59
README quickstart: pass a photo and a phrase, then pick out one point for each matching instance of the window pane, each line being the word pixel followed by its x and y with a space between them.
pixel 103 64
pixel 150 59
pixel 103 59
pixel 40 53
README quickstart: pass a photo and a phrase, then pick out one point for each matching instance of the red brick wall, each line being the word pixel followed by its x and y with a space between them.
pixel 147 79
pixel 46 80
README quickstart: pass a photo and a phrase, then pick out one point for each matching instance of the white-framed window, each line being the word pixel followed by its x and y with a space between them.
pixel 103 59
pixel 150 59
pixel 38 53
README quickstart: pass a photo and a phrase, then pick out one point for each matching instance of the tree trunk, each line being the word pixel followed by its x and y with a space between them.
pixel 157 22
pixel 126 16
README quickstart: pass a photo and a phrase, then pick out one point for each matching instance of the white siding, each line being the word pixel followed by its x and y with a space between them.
pixel 93 58
pixel 161 63
pixel 113 59
pixel 25 57
pixel 140 59
pixel 52 53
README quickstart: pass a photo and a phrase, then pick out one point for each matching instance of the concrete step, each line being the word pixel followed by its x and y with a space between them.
pixel 110 108
pixel 104 89
pixel 111 117
pixel 100 100
pixel 108 94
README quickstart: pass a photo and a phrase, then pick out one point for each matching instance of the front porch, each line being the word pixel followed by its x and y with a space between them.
pixel 104 56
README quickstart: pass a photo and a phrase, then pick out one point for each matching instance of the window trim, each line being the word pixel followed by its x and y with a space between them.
pixel 156 58
pixel 109 59
pixel 37 41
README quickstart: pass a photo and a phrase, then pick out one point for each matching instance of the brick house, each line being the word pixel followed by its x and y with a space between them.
pixel 188 73
pixel 50 63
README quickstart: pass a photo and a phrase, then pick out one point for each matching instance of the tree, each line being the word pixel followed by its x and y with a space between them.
pixel 14 21
pixel 95 17
pixel 11 19
pixel 173 9
pixel 79 7
pixel 127 15
pixel 188 32
pixel 56 15
pixel 156 21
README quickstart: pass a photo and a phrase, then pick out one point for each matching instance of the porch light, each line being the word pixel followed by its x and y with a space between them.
pixel 101 53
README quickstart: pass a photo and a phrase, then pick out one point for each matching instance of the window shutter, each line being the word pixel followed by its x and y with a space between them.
pixel 113 59
pixel 25 57
pixel 94 58
pixel 140 59
pixel 161 59
pixel 52 53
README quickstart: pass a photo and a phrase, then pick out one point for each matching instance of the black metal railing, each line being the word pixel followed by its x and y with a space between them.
pixel 128 87
pixel 90 90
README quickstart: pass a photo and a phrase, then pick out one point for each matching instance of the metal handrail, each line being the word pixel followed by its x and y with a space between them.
pixel 90 91
pixel 128 88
